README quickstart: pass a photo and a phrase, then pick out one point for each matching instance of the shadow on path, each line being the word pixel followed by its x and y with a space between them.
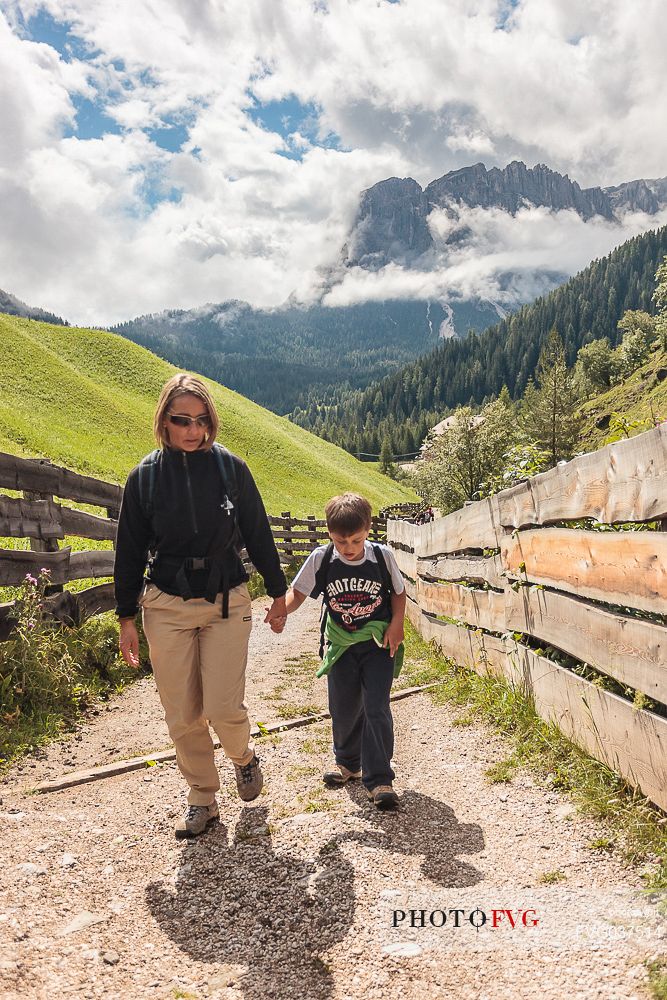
pixel 423 826
pixel 245 904
pixel 274 913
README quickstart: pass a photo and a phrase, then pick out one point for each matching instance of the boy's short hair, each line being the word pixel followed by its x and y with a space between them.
pixel 348 514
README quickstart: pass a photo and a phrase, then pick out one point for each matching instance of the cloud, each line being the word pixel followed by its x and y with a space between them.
pixel 103 228
pixel 504 259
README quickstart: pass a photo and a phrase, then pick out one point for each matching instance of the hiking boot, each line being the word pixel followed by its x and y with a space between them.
pixel 339 775
pixel 249 779
pixel 383 796
pixel 197 820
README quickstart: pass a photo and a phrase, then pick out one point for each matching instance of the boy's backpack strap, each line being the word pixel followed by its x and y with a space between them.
pixel 320 584
pixel 147 475
pixel 321 574
pixel 384 572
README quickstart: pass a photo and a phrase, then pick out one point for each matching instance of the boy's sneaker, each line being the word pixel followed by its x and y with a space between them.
pixel 197 820
pixel 383 796
pixel 339 775
pixel 249 779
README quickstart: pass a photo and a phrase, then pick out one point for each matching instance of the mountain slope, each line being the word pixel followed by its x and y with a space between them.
pixel 15 307
pixel 278 356
pixel 85 399
pixel 640 400
pixel 472 369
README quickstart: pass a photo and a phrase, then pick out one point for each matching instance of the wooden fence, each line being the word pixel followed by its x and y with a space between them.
pixel 511 564
pixel 37 516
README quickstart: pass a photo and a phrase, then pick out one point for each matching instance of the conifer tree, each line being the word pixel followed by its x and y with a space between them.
pixel 386 457
pixel 548 409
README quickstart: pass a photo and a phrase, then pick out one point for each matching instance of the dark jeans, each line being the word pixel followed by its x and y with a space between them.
pixel 363 728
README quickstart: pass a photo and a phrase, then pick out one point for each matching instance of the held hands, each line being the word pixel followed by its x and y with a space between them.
pixel 276 615
pixel 393 637
pixel 129 642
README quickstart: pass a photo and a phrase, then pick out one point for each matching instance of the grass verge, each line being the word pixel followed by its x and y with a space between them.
pixel 50 674
pixel 637 828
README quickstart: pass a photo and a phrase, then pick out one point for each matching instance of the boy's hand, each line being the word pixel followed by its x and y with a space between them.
pixel 393 637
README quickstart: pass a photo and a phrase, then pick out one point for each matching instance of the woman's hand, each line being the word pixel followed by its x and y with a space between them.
pixel 129 642
pixel 276 615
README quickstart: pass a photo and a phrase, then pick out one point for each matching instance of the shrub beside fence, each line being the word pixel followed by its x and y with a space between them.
pixel 498 580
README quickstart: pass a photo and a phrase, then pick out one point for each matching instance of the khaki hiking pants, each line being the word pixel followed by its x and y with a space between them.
pixel 199 662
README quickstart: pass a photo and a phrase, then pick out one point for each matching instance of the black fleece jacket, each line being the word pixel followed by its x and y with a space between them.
pixel 189 521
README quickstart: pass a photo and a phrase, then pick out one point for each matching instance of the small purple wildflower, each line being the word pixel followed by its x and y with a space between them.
pixel 45 571
pixel 31 579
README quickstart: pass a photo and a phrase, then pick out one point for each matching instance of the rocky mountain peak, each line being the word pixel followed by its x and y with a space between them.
pixel 392 220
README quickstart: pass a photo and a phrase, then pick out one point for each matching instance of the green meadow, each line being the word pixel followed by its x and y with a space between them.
pixel 85 399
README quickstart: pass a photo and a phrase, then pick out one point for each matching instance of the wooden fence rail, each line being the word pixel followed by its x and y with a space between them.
pixel 514 564
pixel 39 517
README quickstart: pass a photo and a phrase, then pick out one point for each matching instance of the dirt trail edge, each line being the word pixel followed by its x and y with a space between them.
pixel 470 890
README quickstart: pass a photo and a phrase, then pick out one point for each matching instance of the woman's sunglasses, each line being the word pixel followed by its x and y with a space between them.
pixel 180 420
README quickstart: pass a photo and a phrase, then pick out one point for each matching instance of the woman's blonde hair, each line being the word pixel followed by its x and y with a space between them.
pixel 180 385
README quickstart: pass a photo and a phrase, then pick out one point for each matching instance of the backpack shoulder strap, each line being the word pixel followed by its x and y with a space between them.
pixel 321 575
pixel 384 572
pixel 147 473
pixel 227 469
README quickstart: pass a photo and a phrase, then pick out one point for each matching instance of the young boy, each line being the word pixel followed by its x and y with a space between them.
pixel 364 597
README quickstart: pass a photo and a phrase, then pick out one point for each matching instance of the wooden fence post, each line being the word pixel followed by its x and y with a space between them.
pixel 287 549
pixel 44 544
pixel 312 528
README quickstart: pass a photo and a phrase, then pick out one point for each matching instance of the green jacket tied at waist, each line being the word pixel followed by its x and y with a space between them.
pixel 339 640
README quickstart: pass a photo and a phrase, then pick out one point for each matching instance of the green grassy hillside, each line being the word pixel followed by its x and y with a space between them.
pixel 85 399
pixel 641 400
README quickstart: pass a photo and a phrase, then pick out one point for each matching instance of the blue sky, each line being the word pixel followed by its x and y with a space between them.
pixel 169 155
pixel 283 117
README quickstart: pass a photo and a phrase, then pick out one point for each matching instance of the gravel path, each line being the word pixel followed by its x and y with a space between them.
pixel 297 896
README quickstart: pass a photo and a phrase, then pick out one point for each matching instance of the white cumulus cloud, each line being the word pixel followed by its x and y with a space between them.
pixel 103 228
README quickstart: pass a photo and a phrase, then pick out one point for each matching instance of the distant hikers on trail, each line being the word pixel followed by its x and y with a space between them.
pixel 188 509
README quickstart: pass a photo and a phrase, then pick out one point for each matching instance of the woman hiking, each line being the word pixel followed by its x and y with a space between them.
pixel 187 510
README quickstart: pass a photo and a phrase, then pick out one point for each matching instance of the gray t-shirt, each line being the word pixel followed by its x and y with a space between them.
pixel 304 581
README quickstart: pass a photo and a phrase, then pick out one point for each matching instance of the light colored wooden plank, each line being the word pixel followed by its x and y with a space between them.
pixel 473 528
pixel 468 647
pixel 406 562
pixel 476 569
pixel 626 481
pixel 403 532
pixel 627 568
pixel 481 608
pixel 632 743
pixel 628 649
pixel 410 588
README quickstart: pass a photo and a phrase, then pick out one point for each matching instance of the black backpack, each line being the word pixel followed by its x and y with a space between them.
pixel 149 469
pixel 321 582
